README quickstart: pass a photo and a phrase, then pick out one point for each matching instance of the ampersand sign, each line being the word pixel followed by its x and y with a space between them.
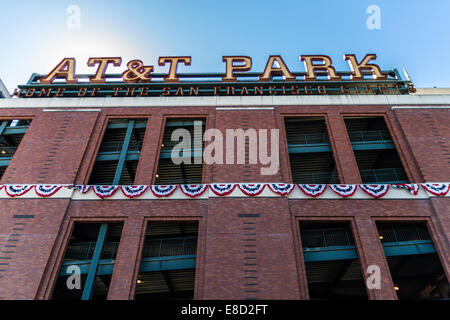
pixel 137 72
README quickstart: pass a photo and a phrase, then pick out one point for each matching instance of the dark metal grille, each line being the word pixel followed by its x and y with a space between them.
pixel 386 175
pixel 152 248
pixel 329 237
pixel 403 232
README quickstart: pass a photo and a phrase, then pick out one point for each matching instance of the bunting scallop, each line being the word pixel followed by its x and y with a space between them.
pixel 133 191
pixel 105 191
pixel 375 190
pixel 313 190
pixel 283 189
pixel 45 191
pixel 193 190
pixel 344 190
pixel 17 190
pixel 251 189
pixel 163 191
pixel 222 189
pixel 438 189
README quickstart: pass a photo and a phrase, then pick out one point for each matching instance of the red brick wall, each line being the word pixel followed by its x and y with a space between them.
pixel 27 243
pixel 52 148
pixel 60 147
pixel 427 132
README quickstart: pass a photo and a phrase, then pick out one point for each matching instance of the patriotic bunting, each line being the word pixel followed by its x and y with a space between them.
pixel 222 189
pixel 412 188
pixel 313 190
pixel 283 189
pixel 104 191
pixel 16 190
pixel 375 190
pixel 43 190
pixel 251 189
pixel 80 187
pixel 133 191
pixel 163 191
pixel 193 190
pixel 344 190
pixel 438 189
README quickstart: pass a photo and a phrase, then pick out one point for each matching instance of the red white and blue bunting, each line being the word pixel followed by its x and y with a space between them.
pixel 313 190
pixel 251 189
pixel 163 191
pixel 438 189
pixel 283 189
pixel 375 190
pixel 133 191
pixel 45 191
pixel 105 191
pixel 80 187
pixel 193 190
pixel 412 188
pixel 223 189
pixel 344 190
pixel 16 190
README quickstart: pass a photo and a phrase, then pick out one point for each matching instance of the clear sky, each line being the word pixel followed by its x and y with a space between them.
pixel 35 35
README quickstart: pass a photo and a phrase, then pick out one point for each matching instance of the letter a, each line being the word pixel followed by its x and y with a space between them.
pixel 65 69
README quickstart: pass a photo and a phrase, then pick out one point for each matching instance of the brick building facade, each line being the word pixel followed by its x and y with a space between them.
pixel 240 247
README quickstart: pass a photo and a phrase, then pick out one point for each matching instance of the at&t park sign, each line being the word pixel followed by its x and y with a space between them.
pixel 139 80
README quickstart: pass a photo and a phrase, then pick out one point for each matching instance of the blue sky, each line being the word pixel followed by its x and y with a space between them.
pixel 35 36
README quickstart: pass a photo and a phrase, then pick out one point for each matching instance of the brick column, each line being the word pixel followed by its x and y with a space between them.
pixel 250 251
pixel 254 119
pixel 342 149
pixel 441 221
pixel 370 252
pixel 150 151
pixel 55 145
pixel 127 261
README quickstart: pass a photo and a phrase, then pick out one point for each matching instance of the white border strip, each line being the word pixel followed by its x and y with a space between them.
pixel 226 101
pixel 245 108
pixel 71 110
pixel 420 107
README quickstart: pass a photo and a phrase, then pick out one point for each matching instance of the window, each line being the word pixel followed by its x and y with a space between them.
pixel 184 173
pixel 332 266
pixel 310 154
pixel 11 134
pixel 168 261
pixel 119 153
pixel 92 250
pixel 413 262
pixel 375 153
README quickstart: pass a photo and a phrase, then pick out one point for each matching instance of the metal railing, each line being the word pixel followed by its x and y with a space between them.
pixel 316 178
pixel 369 136
pixel 116 146
pixel 85 250
pixel 329 237
pixel 7 152
pixel 170 247
pixel 399 233
pixel 386 175
pixel 308 138
pixel 152 248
